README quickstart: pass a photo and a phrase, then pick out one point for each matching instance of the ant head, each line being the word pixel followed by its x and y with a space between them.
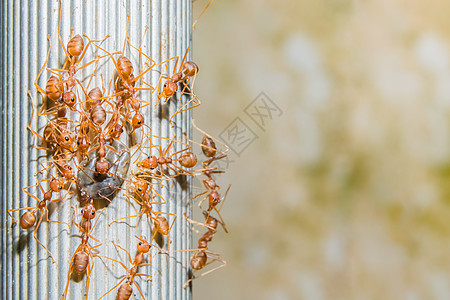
pixel 150 162
pixel 67 171
pixel 169 88
pixel 116 131
pixel 143 245
pixel 137 121
pixel 102 166
pixel 56 184
pixel 83 143
pixel 141 186
pixel 88 211
pixel 64 140
pixel 70 99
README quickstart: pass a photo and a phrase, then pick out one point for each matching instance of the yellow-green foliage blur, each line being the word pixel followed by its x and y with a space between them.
pixel 346 195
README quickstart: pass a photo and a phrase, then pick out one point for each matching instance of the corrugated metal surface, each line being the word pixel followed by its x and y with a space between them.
pixel 27 271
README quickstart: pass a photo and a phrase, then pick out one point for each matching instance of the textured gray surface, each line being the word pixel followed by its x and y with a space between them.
pixel 27 271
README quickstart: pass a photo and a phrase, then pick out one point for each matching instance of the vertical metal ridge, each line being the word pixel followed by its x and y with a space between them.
pixel 12 233
pixel 13 126
pixel 2 96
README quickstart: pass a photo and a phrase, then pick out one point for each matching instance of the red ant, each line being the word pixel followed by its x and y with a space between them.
pixel 74 54
pixel 55 134
pixel 83 259
pixel 141 190
pixel 209 149
pixel 187 159
pixel 126 81
pixel 187 70
pixel 28 219
pixel 199 259
pixel 125 290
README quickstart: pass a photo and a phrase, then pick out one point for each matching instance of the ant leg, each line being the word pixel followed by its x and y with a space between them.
pixel 185 172
pixel 64 295
pixel 114 260
pixel 127 217
pixel 95 223
pixel 145 275
pixel 180 110
pixel 171 139
pixel 184 58
pixel 197 223
pixel 196 197
pixel 90 41
pixel 129 255
pixel 215 139
pixel 113 287
pixel 50 221
pixel 29 194
pixel 175 66
pixel 34 235
pixel 17 209
pixel 173 154
pixel 139 289
pixel 193 25
pixel 114 61
pixel 224 263
pixel 59 31
pixel 40 71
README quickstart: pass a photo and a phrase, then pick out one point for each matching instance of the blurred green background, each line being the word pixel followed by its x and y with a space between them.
pixel 346 194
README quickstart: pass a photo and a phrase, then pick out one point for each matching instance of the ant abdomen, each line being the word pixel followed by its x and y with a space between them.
pixel 208 146
pixel 98 115
pixel 93 97
pixel 188 160
pixel 51 89
pixel 27 220
pixel 190 69
pixel 214 199
pixel 162 225
pixel 125 66
pixel 75 46
pixel 80 261
pixel 124 292
pixel 198 260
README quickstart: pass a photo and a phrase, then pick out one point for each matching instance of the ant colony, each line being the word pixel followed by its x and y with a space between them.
pixel 94 130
